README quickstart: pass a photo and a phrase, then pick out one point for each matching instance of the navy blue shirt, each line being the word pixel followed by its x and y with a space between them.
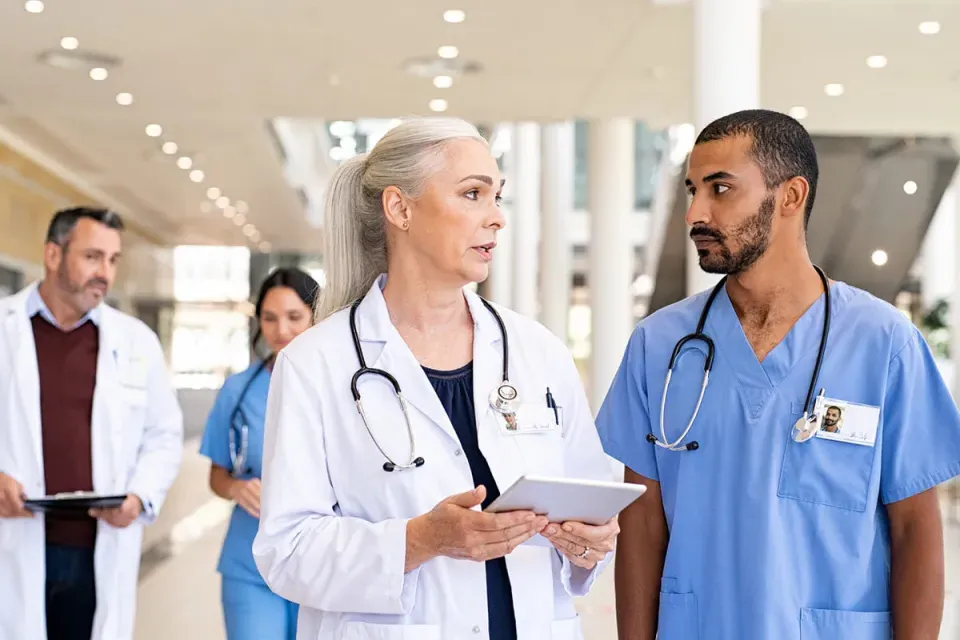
pixel 455 390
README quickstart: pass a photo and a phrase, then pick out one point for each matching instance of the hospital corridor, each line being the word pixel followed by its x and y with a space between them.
pixel 420 321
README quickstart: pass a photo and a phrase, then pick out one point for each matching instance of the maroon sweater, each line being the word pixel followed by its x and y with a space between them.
pixel 68 373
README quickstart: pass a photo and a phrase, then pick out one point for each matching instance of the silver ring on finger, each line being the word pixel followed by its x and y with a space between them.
pixel 586 552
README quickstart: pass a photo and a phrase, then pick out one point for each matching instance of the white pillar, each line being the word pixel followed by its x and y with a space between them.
pixel 954 195
pixel 610 182
pixel 500 280
pixel 726 41
pixel 526 217
pixel 556 198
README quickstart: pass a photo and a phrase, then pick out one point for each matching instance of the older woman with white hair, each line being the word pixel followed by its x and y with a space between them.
pixel 395 420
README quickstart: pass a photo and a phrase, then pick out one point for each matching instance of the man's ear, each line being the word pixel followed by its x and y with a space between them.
pixel 52 257
pixel 795 193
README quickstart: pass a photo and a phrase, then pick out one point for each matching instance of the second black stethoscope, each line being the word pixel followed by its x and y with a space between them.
pixel 504 399
pixel 238 453
pixel 804 428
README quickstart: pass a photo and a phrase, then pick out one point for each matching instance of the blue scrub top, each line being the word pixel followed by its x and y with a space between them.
pixel 236 558
pixel 771 538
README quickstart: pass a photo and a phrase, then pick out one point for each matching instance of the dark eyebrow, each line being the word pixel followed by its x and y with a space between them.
pixel 713 177
pixel 484 179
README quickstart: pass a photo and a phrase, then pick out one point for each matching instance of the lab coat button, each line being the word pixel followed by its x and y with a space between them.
pixel 476 629
pixel 457 453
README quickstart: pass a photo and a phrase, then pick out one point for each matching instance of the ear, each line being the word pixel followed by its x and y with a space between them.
pixel 52 256
pixel 795 193
pixel 396 208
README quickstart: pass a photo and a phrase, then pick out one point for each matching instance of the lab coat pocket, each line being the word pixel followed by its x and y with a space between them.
pixel 369 631
pixel 678 619
pixel 824 624
pixel 568 629
pixel 825 472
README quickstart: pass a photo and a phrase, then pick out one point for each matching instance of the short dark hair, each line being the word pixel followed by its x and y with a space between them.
pixel 298 280
pixel 780 145
pixel 65 221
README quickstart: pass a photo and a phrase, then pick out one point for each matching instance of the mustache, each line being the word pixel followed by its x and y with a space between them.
pixel 706 232
pixel 97 282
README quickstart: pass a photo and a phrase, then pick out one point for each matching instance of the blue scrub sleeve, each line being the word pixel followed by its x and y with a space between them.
pixel 921 425
pixel 216 434
pixel 623 421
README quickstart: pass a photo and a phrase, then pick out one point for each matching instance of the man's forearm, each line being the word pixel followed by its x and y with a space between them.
pixel 917 580
pixel 637 576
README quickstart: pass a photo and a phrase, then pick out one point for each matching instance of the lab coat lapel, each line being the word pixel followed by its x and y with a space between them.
pixel 23 352
pixel 107 423
pixel 374 326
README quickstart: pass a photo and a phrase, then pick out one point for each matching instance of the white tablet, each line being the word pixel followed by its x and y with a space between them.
pixel 568 499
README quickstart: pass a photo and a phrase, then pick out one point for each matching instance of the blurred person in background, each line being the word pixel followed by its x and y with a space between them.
pixel 233 440
pixel 371 511
pixel 87 405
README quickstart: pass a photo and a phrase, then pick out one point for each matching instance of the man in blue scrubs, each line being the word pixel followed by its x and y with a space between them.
pixel 755 534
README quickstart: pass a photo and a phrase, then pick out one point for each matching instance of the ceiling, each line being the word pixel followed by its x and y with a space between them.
pixel 215 73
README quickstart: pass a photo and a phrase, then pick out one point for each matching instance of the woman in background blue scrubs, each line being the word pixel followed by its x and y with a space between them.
pixel 251 611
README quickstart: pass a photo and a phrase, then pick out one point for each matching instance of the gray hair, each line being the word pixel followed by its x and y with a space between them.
pixel 66 220
pixel 355 237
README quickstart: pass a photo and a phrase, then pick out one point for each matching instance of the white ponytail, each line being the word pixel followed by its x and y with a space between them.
pixel 355 238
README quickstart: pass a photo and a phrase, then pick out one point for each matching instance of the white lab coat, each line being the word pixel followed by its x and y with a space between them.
pixel 332 533
pixel 136 448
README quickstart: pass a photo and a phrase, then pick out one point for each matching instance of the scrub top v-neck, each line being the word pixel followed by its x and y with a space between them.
pixel 455 390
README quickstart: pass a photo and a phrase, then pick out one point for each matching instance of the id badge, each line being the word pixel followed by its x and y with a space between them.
pixel 850 422
pixel 529 419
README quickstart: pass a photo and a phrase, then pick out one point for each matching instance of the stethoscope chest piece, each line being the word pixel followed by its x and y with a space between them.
pixel 505 399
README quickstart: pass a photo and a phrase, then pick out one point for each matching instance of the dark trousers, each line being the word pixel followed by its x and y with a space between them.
pixel 71 593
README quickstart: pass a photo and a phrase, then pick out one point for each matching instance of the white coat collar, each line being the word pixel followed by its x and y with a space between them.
pixel 374 326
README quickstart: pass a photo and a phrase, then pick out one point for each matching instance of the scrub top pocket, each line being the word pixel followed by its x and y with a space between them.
pixel 826 472
pixel 823 624
pixel 678 618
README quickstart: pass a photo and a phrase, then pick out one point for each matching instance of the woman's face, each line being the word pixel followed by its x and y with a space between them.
pixel 453 225
pixel 283 317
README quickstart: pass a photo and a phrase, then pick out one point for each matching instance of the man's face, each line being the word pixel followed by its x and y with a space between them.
pixel 84 269
pixel 831 417
pixel 732 211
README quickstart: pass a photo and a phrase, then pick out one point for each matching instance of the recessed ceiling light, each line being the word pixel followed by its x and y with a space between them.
pixel 265 246
pixel 249 230
pixel 33 6
pixel 196 175
pixel 154 130
pixel 242 207
pixel 448 52
pixel 124 99
pixel 438 104
pixel 879 257
pixel 443 82
pixel 184 162
pixel 98 73
pixel 255 236
pixel 213 193
pixel 206 207
pixel 239 220
pixel 169 147
pixel 454 16
pixel 229 212
pixel 834 89
pixel 798 113
pixel 877 62
pixel 909 187
pixel 69 43
pixel 223 202
pixel 929 28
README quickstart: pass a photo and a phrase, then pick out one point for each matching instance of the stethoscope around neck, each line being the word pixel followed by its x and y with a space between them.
pixel 803 429
pixel 239 451
pixel 504 399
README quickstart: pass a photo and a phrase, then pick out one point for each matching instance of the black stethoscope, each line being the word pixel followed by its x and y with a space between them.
pixel 505 399
pixel 238 454
pixel 803 429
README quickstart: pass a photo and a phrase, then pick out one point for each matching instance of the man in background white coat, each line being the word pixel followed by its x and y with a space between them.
pixel 85 405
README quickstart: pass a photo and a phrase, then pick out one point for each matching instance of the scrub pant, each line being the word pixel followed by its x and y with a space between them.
pixel 71 594
pixel 252 612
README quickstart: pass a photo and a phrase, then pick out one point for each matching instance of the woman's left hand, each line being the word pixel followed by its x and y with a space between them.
pixel 583 544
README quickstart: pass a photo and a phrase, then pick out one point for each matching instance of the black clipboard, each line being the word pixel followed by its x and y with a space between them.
pixel 73 503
